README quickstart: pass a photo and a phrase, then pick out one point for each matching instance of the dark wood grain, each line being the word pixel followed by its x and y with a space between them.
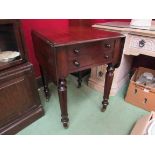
pixel 62 91
pixel 75 35
pixel 81 74
pixel 107 87
pixel 18 96
pixel 77 49
pixel 45 82
pixel 19 99
pixel 24 120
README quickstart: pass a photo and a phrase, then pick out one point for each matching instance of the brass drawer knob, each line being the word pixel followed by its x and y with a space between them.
pixel 76 51
pixel 76 63
pixel 107 45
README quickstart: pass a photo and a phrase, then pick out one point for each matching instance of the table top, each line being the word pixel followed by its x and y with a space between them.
pixel 74 35
pixel 124 27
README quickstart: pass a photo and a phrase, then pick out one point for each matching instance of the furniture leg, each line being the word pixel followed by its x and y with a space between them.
pixel 62 91
pixel 79 80
pixel 45 83
pixel 107 87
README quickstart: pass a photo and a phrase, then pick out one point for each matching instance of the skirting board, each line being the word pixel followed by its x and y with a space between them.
pixel 22 122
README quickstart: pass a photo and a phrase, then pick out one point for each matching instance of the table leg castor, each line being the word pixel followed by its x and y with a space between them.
pixel 65 121
pixel 104 105
pixel 65 125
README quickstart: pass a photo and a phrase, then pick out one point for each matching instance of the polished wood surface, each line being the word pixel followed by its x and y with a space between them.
pixel 80 74
pixel 75 35
pixel 108 84
pixel 19 99
pixel 77 49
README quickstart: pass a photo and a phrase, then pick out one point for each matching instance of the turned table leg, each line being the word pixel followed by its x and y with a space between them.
pixel 62 91
pixel 107 86
pixel 79 80
pixel 45 83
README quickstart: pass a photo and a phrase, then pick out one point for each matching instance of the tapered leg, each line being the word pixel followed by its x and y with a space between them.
pixel 45 83
pixel 107 87
pixel 79 80
pixel 62 91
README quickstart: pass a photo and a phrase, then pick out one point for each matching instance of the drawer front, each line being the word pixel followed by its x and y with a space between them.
pixel 88 60
pixel 136 45
pixel 89 48
pixel 90 54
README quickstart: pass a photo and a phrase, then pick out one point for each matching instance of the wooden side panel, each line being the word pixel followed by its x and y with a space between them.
pixel 118 50
pixel 45 54
pixel 18 95
pixel 62 62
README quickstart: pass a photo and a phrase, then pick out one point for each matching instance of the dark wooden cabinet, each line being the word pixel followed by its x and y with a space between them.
pixel 19 99
pixel 11 39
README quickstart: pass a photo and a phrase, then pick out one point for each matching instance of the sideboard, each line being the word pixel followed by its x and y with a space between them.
pixel 139 48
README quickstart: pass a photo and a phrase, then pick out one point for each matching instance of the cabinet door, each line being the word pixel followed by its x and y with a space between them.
pixel 18 95
pixel 11 39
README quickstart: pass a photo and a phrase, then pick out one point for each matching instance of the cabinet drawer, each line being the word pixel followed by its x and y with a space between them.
pixel 91 58
pixel 136 44
pixel 89 49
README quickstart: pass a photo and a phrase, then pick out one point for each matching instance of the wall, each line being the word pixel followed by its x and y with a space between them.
pixel 55 25
pixel 29 24
pixel 109 20
pixel 89 22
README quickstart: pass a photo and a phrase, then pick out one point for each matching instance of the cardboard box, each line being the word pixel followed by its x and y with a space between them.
pixel 140 95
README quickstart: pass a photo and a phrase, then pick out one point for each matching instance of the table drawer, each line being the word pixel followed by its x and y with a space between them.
pixel 90 59
pixel 136 44
pixel 89 49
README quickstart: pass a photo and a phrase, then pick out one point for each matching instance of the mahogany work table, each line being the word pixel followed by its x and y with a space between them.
pixel 76 49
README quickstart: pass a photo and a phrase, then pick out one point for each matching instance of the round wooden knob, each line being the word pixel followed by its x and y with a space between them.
pixel 107 45
pixel 76 51
pixel 106 57
pixel 76 63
